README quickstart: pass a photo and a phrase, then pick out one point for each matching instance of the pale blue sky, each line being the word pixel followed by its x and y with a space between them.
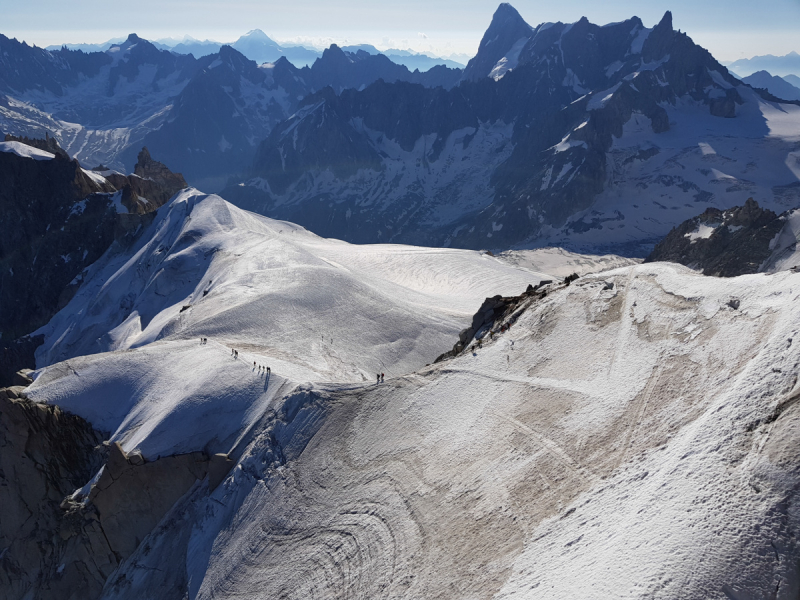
pixel 730 29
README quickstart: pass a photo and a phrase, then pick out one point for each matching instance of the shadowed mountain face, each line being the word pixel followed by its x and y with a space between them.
pixel 204 116
pixel 58 219
pixel 723 243
pixel 777 86
pixel 570 134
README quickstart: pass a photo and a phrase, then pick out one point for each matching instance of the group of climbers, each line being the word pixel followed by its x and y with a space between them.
pixel 261 368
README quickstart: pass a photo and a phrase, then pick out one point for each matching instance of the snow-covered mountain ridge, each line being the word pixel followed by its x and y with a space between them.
pixel 616 428
pixel 603 139
pixel 638 396
pixel 203 116
pixel 204 265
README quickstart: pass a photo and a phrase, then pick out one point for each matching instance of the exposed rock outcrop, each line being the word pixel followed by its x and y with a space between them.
pixel 498 313
pixel 150 186
pixel 722 243
pixel 133 494
pixel 45 454
pixel 48 144
pixel 57 220
pixel 61 543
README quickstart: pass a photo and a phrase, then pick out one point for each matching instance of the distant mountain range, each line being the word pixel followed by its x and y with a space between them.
pixel 777 86
pixel 598 138
pixel 258 46
pixel 788 64
pixel 204 117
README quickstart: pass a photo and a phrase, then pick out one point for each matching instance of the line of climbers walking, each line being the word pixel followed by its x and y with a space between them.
pixel 235 354
pixel 261 368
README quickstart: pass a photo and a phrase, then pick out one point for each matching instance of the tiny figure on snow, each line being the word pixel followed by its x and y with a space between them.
pixel 378 378
pixel 381 377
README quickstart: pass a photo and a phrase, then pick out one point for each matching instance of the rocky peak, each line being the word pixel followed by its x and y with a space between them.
pixel 333 55
pixel 506 29
pixel 147 168
pixel 722 243
pixel 507 20
pixel 660 40
pixel 232 56
pixel 665 24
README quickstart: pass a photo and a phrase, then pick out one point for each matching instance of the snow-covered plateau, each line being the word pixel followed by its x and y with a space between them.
pixel 631 435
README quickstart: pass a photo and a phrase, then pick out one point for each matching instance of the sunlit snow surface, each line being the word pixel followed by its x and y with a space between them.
pixel 631 436
pixel 25 151
pixel 628 438
pixel 312 309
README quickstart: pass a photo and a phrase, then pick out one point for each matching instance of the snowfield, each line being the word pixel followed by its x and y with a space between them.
pixel 657 181
pixel 632 435
pixel 310 308
pixel 25 151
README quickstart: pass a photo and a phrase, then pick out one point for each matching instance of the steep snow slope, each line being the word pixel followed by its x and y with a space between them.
pixel 208 268
pixel 631 436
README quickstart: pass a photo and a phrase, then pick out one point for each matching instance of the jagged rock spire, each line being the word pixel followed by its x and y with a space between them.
pixel 506 28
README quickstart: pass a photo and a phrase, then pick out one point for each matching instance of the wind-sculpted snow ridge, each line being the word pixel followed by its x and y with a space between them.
pixel 632 435
pixel 310 308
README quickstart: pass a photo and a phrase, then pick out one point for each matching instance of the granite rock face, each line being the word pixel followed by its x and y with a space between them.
pixel 45 454
pixel 61 541
pixel 150 186
pixel 56 220
pixel 722 243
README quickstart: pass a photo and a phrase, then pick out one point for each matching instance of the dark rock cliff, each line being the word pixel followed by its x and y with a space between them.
pixel 61 536
pixel 57 220
pixel 722 243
